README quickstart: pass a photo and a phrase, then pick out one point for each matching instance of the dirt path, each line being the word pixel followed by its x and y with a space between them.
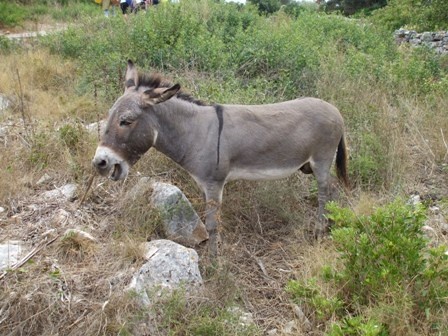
pixel 31 32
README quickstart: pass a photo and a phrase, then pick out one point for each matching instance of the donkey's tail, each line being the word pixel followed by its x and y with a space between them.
pixel 341 162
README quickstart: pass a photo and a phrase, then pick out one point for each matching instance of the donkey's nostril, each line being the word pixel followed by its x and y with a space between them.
pixel 102 164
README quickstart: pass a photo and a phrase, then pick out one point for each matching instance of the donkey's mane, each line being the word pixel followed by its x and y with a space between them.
pixel 155 80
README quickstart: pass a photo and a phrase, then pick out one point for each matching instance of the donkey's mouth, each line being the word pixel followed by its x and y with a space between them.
pixel 116 172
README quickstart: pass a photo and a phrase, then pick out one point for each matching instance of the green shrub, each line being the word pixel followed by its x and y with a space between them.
pixel 71 136
pixel 414 14
pixel 384 262
pixel 12 14
pixel 41 153
pixel 309 293
pixel 381 251
pixel 357 326
pixel 6 45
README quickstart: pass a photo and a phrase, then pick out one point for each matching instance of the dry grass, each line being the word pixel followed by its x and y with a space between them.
pixel 73 289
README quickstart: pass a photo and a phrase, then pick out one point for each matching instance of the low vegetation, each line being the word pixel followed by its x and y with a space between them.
pixel 375 274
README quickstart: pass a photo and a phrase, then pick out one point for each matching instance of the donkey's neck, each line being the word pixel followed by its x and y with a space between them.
pixel 179 125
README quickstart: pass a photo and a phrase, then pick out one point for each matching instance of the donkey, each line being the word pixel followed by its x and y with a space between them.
pixel 219 143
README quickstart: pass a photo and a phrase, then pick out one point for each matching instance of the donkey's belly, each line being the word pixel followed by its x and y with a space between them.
pixel 252 173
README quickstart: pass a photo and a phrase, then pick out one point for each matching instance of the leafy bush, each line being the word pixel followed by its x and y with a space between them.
pixel 6 45
pixel 385 262
pixel 11 14
pixel 418 15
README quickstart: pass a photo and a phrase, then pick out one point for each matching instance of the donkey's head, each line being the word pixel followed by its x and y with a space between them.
pixel 130 132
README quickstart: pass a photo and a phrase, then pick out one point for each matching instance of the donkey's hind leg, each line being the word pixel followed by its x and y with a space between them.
pixel 321 172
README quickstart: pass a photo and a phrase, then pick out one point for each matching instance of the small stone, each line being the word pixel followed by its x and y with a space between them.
pixel 272 332
pixel 414 199
pixel 304 322
pixel 427 37
pixel 44 179
pixel 60 218
pixel 290 328
pixel 444 228
pixel 66 192
pixel 10 253
pixel 97 127
pixel 245 318
pixel 4 103
pixel 80 236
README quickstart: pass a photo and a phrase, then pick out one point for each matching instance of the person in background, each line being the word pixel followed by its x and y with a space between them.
pixel 106 4
pixel 125 5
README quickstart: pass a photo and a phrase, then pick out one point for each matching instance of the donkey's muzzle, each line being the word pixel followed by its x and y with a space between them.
pixel 109 163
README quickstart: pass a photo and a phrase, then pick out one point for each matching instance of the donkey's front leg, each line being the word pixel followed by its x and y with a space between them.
pixel 213 198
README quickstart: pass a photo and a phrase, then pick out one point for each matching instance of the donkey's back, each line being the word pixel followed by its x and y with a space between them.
pixel 275 140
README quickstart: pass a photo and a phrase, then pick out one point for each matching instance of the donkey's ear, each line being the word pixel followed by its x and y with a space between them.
pixel 159 95
pixel 131 79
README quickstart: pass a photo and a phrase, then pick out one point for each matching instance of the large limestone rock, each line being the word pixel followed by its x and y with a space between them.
pixel 181 223
pixel 169 266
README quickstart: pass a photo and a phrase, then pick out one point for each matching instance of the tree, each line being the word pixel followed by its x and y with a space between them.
pixel 267 6
pixel 350 7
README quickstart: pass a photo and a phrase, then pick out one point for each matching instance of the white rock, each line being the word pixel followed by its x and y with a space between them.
pixel 169 266
pixel 303 320
pixel 414 200
pixel 435 210
pixel 80 236
pixel 96 127
pixel 64 193
pixel 246 319
pixel 10 253
pixel 180 221
pixel 272 332
pixel 290 328
pixel 44 179
pixel 60 218
pixel 4 103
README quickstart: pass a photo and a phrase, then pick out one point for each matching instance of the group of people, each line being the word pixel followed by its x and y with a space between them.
pixel 127 6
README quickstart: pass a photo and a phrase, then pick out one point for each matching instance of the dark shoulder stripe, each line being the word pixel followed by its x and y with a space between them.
pixel 220 115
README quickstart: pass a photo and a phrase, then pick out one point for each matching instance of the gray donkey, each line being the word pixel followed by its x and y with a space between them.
pixel 218 143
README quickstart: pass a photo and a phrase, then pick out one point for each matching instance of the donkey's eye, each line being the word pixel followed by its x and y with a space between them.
pixel 125 122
